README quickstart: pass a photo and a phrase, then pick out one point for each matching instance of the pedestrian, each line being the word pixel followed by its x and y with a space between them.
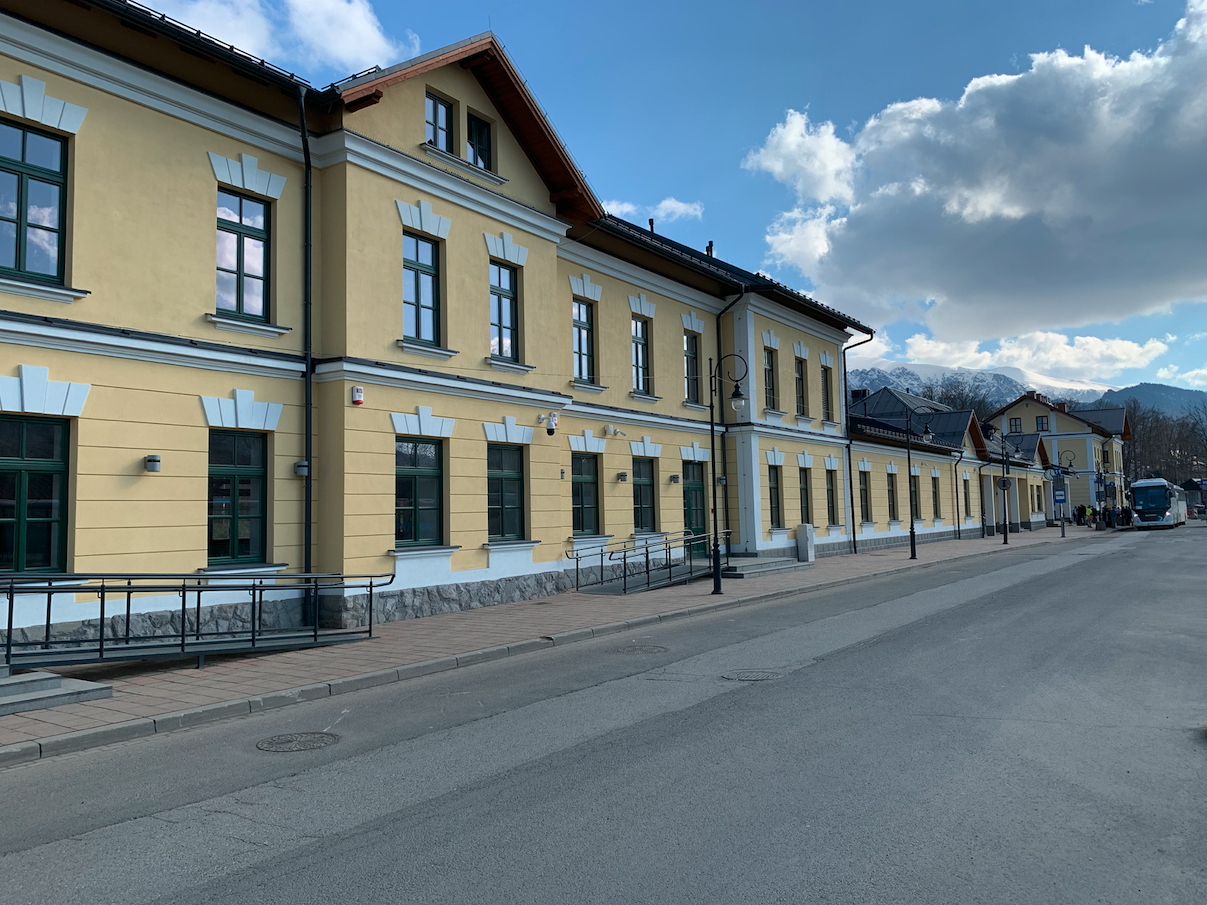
pixel 1081 514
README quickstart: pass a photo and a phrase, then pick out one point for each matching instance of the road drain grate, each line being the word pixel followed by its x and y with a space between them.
pixel 643 649
pixel 753 675
pixel 297 741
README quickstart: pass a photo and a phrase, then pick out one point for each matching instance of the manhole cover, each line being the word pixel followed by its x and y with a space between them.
pixel 753 675
pixel 298 741
pixel 643 649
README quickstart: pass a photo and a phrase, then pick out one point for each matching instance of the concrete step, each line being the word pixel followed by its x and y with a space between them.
pixel 36 695
pixel 764 565
pixel 29 681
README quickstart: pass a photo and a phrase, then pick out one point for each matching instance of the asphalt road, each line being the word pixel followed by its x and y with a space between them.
pixel 1026 728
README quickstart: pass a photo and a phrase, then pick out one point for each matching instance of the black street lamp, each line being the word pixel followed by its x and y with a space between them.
pixel 1065 467
pixel 925 414
pixel 989 429
pixel 738 402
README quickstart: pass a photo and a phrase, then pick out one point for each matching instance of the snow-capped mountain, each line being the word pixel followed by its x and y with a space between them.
pixel 1003 385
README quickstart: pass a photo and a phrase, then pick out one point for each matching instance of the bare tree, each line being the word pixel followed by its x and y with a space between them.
pixel 960 396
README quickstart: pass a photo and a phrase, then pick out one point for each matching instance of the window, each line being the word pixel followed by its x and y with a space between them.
pixel 33 483
pixel 584 488
pixel 420 289
pixel 477 143
pixel 418 492
pixel 865 497
pixel 802 390
pixel 1041 423
pixel 641 356
pixel 242 256
pixel 691 367
pixel 583 319
pixel 827 401
pixel 774 494
pixel 236 497
pixel 892 497
pixel 439 123
pixel 806 511
pixel 967 498
pixel 934 497
pixel 831 498
pixel 504 492
pixel 33 187
pixel 915 504
pixel 645 518
pixel 504 333
pixel 1016 426
pixel 770 396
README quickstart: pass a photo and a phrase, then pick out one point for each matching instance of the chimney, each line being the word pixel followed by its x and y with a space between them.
pixel 708 251
pixel 858 395
pixel 1062 407
pixel 1031 394
pixel 651 224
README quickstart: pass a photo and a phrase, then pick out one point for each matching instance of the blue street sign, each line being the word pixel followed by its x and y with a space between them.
pixel 1058 496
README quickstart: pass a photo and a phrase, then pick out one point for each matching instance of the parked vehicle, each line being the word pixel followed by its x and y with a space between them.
pixel 1158 504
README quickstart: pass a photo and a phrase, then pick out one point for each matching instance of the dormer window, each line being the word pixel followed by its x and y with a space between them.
pixel 477 142
pixel 439 124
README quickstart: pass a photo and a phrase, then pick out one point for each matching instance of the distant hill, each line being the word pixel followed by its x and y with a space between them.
pixel 1171 400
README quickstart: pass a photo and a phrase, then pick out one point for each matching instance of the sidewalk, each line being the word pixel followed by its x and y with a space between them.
pixel 152 697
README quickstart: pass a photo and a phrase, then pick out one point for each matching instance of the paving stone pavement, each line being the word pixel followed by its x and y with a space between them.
pixel 158 696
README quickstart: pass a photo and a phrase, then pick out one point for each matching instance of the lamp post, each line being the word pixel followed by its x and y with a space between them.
pixel 989 430
pixel 925 413
pixel 1065 466
pixel 738 402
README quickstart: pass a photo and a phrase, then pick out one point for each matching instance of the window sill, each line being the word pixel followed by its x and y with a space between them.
pixel 644 397
pixel 773 414
pixel 695 406
pixel 580 542
pixel 504 364
pixel 418 348
pixel 586 386
pixel 237 325
pixel 408 552
pixel 804 421
pixel 509 544
pixel 64 294
pixel 244 568
pixel 463 165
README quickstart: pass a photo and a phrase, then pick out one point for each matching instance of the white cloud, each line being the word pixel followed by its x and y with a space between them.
pixel 1069 194
pixel 1170 337
pixel 1169 372
pixel 1197 377
pixel 1085 357
pixel 343 35
pixel 878 347
pixel 669 208
pixel 1195 337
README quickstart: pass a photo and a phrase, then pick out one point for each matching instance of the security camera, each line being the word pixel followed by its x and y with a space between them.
pixel 551 424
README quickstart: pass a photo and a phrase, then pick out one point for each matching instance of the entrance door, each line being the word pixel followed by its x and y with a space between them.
pixel 695 509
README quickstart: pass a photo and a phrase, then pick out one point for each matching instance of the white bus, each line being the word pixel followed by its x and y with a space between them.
pixel 1156 503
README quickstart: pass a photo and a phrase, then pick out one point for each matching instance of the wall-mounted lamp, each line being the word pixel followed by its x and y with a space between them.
pixel 674 479
pixel 151 463
pixel 623 477
pixel 721 479
pixel 610 431
pixel 301 468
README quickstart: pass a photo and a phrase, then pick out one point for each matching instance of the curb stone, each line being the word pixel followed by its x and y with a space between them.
pixel 25 752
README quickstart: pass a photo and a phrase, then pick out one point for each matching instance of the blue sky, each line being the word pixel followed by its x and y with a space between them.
pixel 1066 237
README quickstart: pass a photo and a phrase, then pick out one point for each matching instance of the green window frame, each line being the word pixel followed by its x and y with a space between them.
pixel 802 389
pixel 831 498
pixel 806 508
pixel 775 497
pixel 477 142
pixel 33 203
pixel 584 490
pixel 33 494
pixel 1041 423
pixel 645 510
pixel 438 115
pixel 936 504
pixel 243 246
pixel 827 399
pixel 865 496
pixel 504 492
pixel 892 497
pixel 582 317
pixel 418 492
pixel 770 395
pixel 640 330
pixel 915 498
pixel 967 497
pixel 1016 426
pixel 691 367
pixel 504 313
pixel 420 289
pixel 237 500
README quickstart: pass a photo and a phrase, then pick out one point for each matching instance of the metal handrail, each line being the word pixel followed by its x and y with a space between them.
pixel 639 551
pixel 100 637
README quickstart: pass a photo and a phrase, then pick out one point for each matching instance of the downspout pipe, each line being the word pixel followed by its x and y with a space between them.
pixel 846 410
pixel 724 445
pixel 955 490
pixel 307 337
